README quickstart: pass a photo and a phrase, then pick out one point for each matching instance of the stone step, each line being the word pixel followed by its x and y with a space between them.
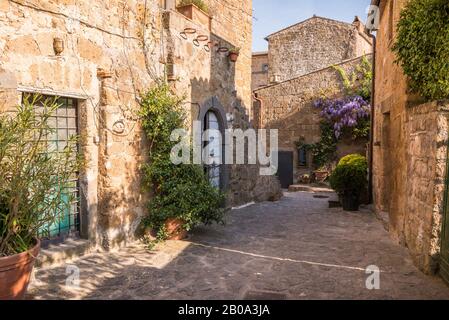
pixel 309 188
pixel 64 252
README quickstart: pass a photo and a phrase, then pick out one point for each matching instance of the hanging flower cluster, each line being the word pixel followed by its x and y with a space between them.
pixel 343 113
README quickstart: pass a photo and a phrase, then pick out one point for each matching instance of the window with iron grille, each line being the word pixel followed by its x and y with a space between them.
pixel 64 125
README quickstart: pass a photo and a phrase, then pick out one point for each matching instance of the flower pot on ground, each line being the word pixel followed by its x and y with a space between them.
pixel 15 273
pixel 350 202
pixel 321 175
pixel 349 179
pixel 175 229
pixel 32 189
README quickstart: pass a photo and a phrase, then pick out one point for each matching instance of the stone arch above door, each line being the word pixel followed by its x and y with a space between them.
pixel 213 104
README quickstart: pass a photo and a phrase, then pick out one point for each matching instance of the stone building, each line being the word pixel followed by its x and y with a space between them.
pixel 259 69
pixel 410 155
pixel 301 61
pixel 314 44
pixel 97 56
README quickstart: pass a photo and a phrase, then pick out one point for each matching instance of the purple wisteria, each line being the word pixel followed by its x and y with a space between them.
pixel 343 113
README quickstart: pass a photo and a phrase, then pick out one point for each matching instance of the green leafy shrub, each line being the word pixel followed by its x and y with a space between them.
pixel 179 191
pixel 350 176
pixel 199 3
pixel 422 47
pixel 33 175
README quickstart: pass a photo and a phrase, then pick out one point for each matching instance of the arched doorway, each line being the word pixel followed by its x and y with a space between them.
pixel 213 149
pixel 213 118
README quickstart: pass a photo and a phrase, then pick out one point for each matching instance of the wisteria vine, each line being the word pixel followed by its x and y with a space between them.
pixel 344 113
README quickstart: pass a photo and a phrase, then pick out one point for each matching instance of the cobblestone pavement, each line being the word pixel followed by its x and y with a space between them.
pixel 296 248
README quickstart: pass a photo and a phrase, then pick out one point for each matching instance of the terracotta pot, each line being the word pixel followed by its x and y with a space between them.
pixel 15 273
pixel 194 13
pixel 321 176
pixel 175 229
pixel 233 56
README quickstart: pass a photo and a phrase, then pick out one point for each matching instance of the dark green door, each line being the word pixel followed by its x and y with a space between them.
pixel 285 170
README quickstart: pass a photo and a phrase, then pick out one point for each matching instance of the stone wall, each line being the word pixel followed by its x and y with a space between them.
pixel 259 70
pixel 314 44
pixel 409 157
pixel 201 75
pixel 102 66
pixel 112 51
pixel 288 106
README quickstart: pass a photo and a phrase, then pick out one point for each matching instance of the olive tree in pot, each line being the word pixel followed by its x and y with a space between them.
pixel 33 178
pixel 349 180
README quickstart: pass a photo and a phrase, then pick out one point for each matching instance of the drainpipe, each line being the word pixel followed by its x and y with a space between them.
pixel 259 122
pixel 371 146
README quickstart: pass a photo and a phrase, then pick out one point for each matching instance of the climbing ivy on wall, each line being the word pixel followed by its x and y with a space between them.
pixel 422 47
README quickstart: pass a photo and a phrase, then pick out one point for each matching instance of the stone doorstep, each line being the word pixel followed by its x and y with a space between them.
pixel 67 251
pixel 308 188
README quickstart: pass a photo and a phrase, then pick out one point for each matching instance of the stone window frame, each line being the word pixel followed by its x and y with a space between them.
pixel 81 215
pixel 85 226
pixel 304 164
pixel 214 105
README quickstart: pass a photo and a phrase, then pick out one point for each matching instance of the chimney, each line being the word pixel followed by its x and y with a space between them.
pixel 359 24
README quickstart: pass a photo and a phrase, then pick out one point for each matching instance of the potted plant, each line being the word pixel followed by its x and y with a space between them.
pixel 349 180
pixel 321 174
pixel 32 186
pixel 234 54
pixel 181 195
pixel 196 10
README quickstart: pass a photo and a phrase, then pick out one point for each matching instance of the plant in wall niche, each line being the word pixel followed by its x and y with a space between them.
pixel 234 54
pixel 422 47
pixel 182 196
pixel 199 3
pixel 349 180
pixel 35 175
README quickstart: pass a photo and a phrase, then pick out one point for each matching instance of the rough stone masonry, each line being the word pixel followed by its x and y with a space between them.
pixel 112 50
pixel 410 154
pixel 300 62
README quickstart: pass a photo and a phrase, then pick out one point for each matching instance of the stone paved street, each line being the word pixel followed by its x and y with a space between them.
pixel 296 248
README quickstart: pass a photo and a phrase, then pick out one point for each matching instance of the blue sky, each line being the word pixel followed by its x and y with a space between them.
pixel 274 15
